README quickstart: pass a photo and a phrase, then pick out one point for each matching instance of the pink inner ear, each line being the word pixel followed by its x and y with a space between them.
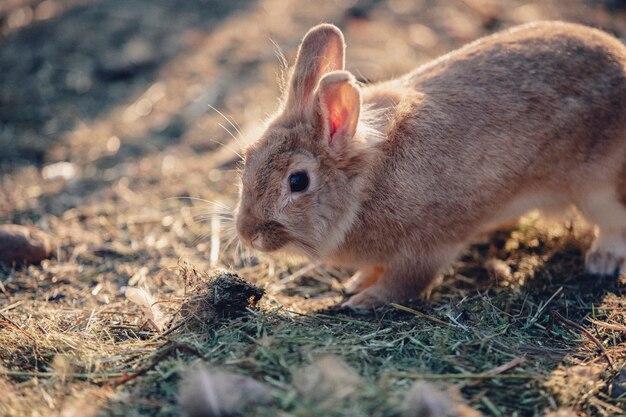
pixel 337 119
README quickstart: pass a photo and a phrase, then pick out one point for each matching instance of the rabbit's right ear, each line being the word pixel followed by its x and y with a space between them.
pixel 321 51
pixel 338 103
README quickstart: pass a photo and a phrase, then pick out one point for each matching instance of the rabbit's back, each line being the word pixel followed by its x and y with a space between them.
pixel 540 89
pixel 524 119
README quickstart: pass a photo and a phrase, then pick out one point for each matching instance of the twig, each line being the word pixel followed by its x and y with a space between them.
pixel 11 306
pixel 606 325
pixel 149 323
pixel 587 333
pixel 172 348
pixel 495 373
pixel 4 320
pixel 599 403
pixel 501 369
pixel 36 374
pixel 541 309
pixel 10 324
pixel 425 316
pixel 170 330
pixel 462 376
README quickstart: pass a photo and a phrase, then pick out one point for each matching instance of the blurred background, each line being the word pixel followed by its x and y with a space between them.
pixel 108 109
pixel 119 89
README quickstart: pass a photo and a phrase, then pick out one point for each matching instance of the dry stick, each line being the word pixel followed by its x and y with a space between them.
pixel 490 374
pixel 11 306
pixel 500 369
pixel 170 330
pixel 586 333
pixel 36 374
pixel 9 324
pixel 9 321
pixel 606 325
pixel 419 314
pixel 173 347
pixel 437 377
pixel 150 323
pixel 541 309
pixel 5 321
pixel 599 403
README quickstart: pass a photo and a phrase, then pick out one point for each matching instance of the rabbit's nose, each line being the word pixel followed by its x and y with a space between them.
pixel 246 229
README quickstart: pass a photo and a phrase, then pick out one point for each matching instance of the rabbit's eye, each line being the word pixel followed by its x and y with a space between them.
pixel 298 181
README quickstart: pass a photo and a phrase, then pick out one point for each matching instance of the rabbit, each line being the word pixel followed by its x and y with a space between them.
pixel 392 179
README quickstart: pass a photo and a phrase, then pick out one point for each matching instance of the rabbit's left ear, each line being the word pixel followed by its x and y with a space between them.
pixel 321 51
pixel 339 105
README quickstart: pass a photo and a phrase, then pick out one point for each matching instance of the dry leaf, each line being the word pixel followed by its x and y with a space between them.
pixel 144 300
pixel 217 393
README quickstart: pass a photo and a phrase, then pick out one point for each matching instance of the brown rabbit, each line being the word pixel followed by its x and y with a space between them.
pixel 394 178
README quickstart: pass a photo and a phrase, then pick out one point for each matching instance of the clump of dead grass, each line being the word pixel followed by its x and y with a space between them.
pixel 216 296
pixel 575 385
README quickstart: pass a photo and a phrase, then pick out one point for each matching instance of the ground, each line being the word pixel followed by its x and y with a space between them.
pixel 117 126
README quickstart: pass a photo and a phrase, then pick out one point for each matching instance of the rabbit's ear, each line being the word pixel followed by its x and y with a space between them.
pixel 321 51
pixel 339 106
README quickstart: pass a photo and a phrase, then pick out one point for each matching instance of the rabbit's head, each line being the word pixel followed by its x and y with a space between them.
pixel 303 178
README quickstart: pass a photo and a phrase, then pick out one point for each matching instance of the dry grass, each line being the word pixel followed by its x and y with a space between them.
pixel 516 326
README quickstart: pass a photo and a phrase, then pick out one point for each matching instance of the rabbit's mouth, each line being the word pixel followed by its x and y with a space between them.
pixel 269 237
pixel 264 243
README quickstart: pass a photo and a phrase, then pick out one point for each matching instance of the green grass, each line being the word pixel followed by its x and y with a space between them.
pixel 390 351
pixel 516 328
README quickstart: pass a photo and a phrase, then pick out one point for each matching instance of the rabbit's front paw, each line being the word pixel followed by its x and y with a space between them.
pixel 607 256
pixel 367 299
pixel 362 280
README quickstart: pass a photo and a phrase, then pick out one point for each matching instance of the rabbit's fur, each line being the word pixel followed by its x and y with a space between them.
pixel 403 173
